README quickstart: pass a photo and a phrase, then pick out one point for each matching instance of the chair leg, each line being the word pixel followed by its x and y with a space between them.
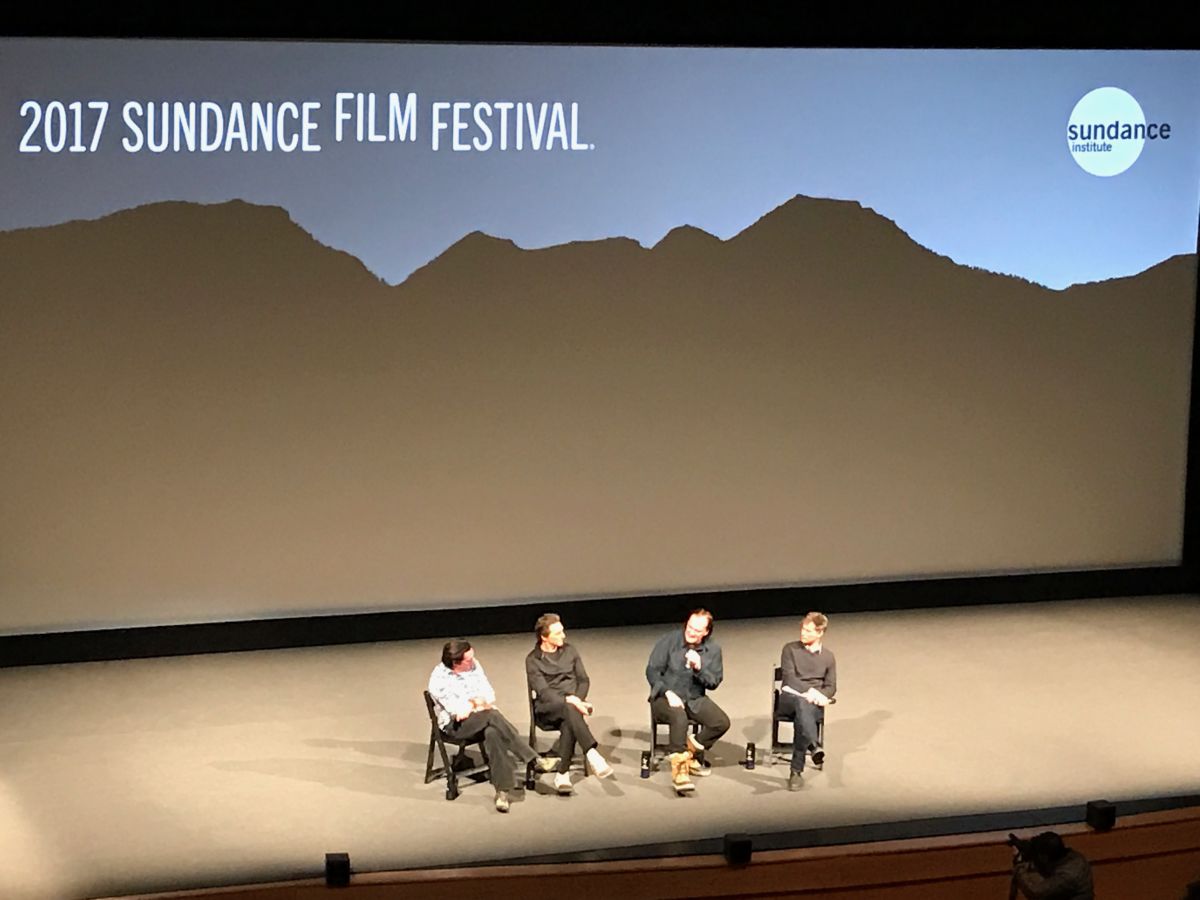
pixel 429 774
pixel 820 744
pixel 780 752
pixel 447 765
pixel 656 758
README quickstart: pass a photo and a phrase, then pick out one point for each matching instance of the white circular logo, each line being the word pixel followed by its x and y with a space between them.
pixel 1106 131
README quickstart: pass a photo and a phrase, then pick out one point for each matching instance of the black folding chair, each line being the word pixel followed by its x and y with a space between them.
pixel 461 765
pixel 782 750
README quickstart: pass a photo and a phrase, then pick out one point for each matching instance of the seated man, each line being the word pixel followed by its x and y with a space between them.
pixel 560 685
pixel 809 683
pixel 465 705
pixel 684 666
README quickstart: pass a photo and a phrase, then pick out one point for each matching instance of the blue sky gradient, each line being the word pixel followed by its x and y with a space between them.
pixel 964 150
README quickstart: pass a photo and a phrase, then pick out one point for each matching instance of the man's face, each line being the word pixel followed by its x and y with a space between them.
pixel 696 629
pixel 467 663
pixel 810 634
pixel 557 635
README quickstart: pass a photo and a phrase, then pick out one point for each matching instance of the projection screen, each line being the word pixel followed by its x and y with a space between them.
pixel 299 328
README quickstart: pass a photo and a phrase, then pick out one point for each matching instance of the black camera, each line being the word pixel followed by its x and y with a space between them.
pixel 1023 847
pixel 1044 851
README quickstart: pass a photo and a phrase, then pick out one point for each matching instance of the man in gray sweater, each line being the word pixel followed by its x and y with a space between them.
pixel 809 684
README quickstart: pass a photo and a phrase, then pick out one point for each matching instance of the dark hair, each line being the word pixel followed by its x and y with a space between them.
pixel 1047 846
pixel 454 651
pixel 702 612
pixel 819 621
pixel 542 627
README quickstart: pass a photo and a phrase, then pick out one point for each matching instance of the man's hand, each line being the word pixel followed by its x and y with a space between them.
pixel 584 708
pixel 693 659
pixel 479 703
pixel 673 699
pixel 812 695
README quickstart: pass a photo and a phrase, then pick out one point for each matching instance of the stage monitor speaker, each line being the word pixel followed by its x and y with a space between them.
pixel 1101 815
pixel 738 848
pixel 337 869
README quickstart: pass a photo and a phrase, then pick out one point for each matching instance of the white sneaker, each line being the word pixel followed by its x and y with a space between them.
pixel 546 763
pixel 562 783
pixel 598 764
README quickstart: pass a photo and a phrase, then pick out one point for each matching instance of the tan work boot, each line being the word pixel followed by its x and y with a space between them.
pixel 697 769
pixel 680 779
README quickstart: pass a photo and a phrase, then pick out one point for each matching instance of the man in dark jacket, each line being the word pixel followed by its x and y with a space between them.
pixel 684 665
pixel 560 685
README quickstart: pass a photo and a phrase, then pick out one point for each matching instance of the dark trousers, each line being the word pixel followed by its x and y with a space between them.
pixel 712 719
pixel 806 718
pixel 499 740
pixel 572 728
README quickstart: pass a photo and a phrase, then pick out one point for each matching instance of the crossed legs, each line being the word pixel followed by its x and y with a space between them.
pixel 572 729
pixel 500 739
pixel 713 722
pixel 805 718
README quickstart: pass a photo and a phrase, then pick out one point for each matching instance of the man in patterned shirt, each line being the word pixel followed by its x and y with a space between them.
pixel 465 705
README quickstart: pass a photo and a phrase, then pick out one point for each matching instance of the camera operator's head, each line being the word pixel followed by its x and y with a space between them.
pixel 1045 851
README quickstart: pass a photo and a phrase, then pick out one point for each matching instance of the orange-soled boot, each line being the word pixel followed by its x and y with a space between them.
pixel 680 779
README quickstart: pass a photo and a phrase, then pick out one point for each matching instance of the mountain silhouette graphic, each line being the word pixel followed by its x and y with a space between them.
pixel 212 414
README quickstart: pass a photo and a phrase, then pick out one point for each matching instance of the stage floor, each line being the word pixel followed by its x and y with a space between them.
pixel 141 775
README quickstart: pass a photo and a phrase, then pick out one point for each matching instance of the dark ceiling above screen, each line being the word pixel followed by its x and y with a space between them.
pixel 1024 25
